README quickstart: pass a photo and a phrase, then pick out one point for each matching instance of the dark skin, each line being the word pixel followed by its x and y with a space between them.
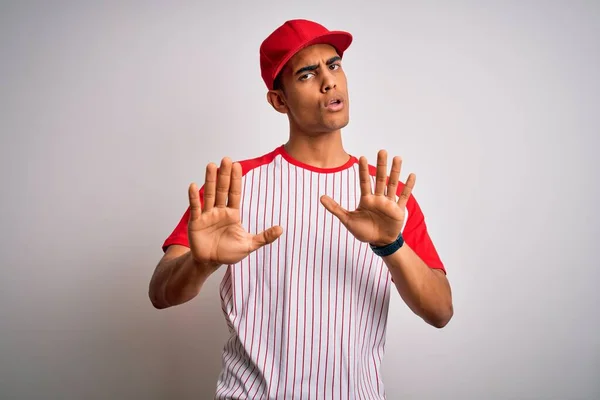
pixel 309 82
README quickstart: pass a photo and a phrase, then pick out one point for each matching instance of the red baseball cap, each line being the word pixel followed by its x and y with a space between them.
pixel 291 37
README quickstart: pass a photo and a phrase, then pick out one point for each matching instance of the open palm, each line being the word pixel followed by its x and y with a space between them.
pixel 380 215
pixel 215 232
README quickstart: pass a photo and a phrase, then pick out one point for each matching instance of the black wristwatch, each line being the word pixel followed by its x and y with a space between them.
pixel 388 249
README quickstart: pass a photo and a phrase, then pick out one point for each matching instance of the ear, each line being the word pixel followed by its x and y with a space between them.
pixel 276 99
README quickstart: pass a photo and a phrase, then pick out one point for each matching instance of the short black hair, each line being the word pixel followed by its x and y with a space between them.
pixel 277 84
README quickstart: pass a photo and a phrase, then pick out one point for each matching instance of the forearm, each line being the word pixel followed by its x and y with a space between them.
pixel 426 291
pixel 177 280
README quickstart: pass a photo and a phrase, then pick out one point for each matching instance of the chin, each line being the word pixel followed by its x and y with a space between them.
pixel 330 125
pixel 337 125
pixel 336 120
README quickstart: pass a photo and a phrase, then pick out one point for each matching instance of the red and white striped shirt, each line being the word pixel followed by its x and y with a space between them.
pixel 307 314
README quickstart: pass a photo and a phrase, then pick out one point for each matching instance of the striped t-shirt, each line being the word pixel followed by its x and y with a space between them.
pixel 307 314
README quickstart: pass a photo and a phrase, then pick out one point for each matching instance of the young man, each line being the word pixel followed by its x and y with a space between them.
pixel 311 237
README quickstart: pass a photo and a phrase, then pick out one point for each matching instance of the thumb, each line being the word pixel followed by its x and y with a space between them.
pixel 266 237
pixel 333 207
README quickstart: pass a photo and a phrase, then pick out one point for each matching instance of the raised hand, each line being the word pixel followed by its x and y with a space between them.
pixel 215 232
pixel 379 217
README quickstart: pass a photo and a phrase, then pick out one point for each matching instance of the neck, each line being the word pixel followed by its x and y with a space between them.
pixel 321 151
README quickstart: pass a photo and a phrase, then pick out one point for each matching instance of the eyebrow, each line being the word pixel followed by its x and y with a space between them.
pixel 314 67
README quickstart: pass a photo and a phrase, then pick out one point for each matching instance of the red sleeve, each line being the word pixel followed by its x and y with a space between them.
pixel 416 236
pixel 415 230
pixel 180 233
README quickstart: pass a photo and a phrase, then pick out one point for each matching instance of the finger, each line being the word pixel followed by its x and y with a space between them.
pixel 365 178
pixel 406 191
pixel 194 197
pixel 223 182
pixel 235 188
pixel 333 207
pixel 210 186
pixel 394 177
pixel 266 237
pixel 381 177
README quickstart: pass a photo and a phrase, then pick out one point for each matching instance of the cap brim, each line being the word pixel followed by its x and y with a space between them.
pixel 340 40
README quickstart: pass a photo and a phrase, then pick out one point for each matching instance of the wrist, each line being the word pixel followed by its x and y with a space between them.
pixel 389 248
pixel 205 268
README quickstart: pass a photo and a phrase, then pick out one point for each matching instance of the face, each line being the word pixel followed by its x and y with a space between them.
pixel 314 93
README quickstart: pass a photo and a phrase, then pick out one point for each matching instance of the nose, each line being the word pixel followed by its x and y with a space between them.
pixel 328 82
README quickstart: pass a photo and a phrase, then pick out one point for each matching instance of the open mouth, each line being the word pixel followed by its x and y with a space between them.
pixel 335 104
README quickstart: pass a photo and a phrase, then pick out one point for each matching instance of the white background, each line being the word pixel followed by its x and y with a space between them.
pixel 108 112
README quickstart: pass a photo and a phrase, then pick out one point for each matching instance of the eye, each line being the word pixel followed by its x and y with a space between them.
pixel 305 76
pixel 333 67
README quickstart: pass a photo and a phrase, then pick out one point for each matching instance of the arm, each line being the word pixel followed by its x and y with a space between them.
pixel 177 278
pixel 425 290
pixel 416 268
pixel 209 234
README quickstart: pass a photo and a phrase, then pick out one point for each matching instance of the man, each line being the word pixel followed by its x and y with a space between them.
pixel 311 239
